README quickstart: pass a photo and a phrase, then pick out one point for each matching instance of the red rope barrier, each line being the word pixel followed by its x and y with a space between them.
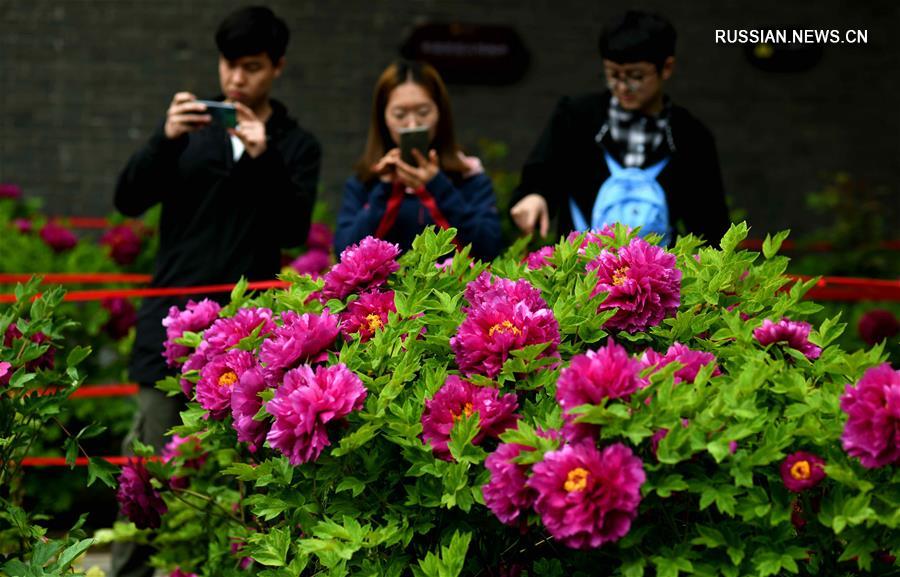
pixel 79 461
pixel 818 246
pixel 76 278
pixel 94 391
pixel 100 294
pixel 89 222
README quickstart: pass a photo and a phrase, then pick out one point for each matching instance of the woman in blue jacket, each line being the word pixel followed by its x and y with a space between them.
pixel 395 200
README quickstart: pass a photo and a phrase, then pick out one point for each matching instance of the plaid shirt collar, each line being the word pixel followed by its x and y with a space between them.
pixel 639 135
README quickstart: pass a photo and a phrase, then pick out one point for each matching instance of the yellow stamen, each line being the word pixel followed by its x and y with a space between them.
pixel 468 410
pixel 801 470
pixel 620 276
pixel 374 322
pixel 577 480
pixel 504 327
pixel 228 379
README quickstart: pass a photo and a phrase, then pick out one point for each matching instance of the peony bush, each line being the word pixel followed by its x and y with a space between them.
pixel 604 407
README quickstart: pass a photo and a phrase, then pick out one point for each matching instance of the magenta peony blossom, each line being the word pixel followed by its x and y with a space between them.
pixel 607 373
pixel 45 361
pixel 194 318
pixel 363 266
pixel 184 447
pixel 487 290
pixel 225 333
pixel 504 316
pixel 217 380
pixel 245 403
pixel 10 191
pixel 877 325
pixel 57 237
pixel 794 333
pixel 367 314
pixel 539 258
pixel 506 494
pixel 138 500
pixel 692 360
pixel 456 397
pixel 23 225
pixel 4 373
pixel 179 573
pixel 123 242
pixel 313 263
pixel 587 498
pixel 306 403
pixel 122 316
pixel 801 471
pixel 485 338
pixel 642 283
pixel 872 432
pixel 319 237
pixel 299 339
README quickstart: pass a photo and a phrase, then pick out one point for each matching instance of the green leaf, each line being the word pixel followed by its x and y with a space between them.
pixel 352 484
pixel 450 561
pixel 71 553
pixel 771 245
pixel 271 548
pixel 103 470
pixel 76 355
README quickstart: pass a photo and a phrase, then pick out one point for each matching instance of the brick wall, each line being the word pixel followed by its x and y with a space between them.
pixel 83 83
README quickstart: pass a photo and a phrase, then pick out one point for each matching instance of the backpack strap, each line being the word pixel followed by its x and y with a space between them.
pixel 398 192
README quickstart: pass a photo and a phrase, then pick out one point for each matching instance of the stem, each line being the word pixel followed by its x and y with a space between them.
pixel 209 500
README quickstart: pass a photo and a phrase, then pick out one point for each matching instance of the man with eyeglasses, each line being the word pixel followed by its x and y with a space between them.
pixel 627 155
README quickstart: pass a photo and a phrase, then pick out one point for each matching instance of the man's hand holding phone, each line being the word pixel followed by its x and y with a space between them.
pixel 250 129
pixel 185 115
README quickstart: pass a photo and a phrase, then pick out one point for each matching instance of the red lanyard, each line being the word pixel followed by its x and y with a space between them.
pixel 398 192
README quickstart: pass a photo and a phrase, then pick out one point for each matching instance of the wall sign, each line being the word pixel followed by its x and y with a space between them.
pixel 469 53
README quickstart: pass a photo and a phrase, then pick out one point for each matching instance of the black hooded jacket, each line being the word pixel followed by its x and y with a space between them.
pixel 220 219
pixel 568 161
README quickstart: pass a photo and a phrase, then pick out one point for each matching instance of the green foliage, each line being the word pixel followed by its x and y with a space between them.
pixel 378 502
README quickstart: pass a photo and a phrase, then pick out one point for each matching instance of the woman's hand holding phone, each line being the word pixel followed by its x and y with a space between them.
pixel 418 176
pixel 386 166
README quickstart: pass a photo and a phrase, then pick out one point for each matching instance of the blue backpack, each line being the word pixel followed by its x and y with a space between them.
pixel 631 196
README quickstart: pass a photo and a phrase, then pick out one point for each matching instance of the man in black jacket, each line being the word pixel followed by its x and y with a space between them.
pixel 632 126
pixel 231 199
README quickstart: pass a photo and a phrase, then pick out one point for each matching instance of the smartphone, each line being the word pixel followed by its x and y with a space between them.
pixel 221 113
pixel 411 138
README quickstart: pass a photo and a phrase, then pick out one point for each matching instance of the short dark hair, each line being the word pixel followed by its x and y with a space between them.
pixel 251 30
pixel 637 36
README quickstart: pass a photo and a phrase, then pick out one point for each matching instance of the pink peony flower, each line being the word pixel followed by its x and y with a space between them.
pixel 506 494
pixel 319 238
pixel 245 404
pixel 367 314
pixel 4 370
pixel 587 498
pixel 642 283
pixel 225 333
pixel 57 237
pixel 217 380
pixel 306 403
pixel 801 471
pixel 539 258
pixel 123 242
pixel 487 290
pixel 504 316
pixel 122 316
pixel 877 325
pixel 794 333
pixel 363 266
pixel 138 500
pixel 299 339
pixel 456 397
pixel 184 447
pixel 607 373
pixel 692 360
pixel 23 225
pixel 179 573
pixel 10 191
pixel 194 318
pixel 872 432
pixel 45 361
pixel 313 263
